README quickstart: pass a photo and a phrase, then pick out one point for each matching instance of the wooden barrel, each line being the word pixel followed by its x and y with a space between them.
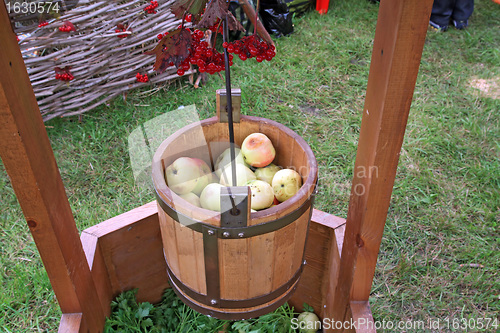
pixel 234 273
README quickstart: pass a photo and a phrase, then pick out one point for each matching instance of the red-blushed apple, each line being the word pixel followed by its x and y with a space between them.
pixel 262 194
pixel 243 175
pixel 225 159
pixel 182 175
pixel 206 176
pixel 191 198
pixel 258 150
pixel 267 173
pixel 286 183
pixel 210 197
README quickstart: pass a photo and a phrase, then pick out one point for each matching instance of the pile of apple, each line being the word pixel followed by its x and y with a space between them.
pixel 193 180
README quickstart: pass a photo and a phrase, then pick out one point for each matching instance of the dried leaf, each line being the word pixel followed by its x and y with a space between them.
pixel 233 23
pixel 172 48
pixel 64 70
pixel 218 9
pixel 194 7
pixel 215 9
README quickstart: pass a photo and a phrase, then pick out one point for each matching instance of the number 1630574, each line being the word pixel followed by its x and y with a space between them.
pixel 35 7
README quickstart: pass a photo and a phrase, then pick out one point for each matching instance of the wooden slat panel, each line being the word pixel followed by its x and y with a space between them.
pixel 261 264
pixel 321 256
pixel 184 238
pixel 399 39
pixel 233 268
pixel 28 158
pixel 132 249
pixel 283 248
pixel 167 227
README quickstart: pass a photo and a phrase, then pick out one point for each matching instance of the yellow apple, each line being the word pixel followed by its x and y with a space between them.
pixel 210 197
pixel 262 194
pixel 191 198
pixel 243 175
pixel 267 173
pixel 206 176
pixel 182 175
pixel 286 183
pixel 224 159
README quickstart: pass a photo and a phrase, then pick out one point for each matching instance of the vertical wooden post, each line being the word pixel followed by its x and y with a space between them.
pixel 30 163
pixel 399 40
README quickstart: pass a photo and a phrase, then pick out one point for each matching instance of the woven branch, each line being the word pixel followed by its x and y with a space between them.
pixel 103 65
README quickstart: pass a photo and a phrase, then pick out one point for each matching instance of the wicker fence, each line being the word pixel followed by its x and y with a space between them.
pixel 103 64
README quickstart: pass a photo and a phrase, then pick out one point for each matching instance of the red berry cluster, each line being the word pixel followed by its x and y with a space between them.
pixel 207 58
pixel 150 9
pixel 121 30
pixel 250 47
pixel 43 24
pixel 64 76
pixel 66 28
pixel 142 78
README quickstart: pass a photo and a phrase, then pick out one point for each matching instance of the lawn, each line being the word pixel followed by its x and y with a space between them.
pixel 439 256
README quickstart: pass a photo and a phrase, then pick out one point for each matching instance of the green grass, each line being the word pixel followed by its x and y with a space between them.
pixel 439 255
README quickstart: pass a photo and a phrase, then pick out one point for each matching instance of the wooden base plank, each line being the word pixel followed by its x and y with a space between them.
pixel 70 323
pixel 362 315
pixel 133 253
pixel 126 252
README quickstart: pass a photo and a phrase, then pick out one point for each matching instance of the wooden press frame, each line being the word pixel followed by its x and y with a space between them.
pixel 87 271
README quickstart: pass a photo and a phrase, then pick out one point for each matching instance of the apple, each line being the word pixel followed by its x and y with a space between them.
pixel 191 198
pixel 210 197
pixel 243 175
pixel 182 175
pixel 258 150
pixel 286 183
pixel 267 173
pixel 225 159
pixel 262 194
pixel 206 176
pixel 308 322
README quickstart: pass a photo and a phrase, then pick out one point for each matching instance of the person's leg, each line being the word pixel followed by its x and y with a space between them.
pixel 441 13
pixel 461 13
